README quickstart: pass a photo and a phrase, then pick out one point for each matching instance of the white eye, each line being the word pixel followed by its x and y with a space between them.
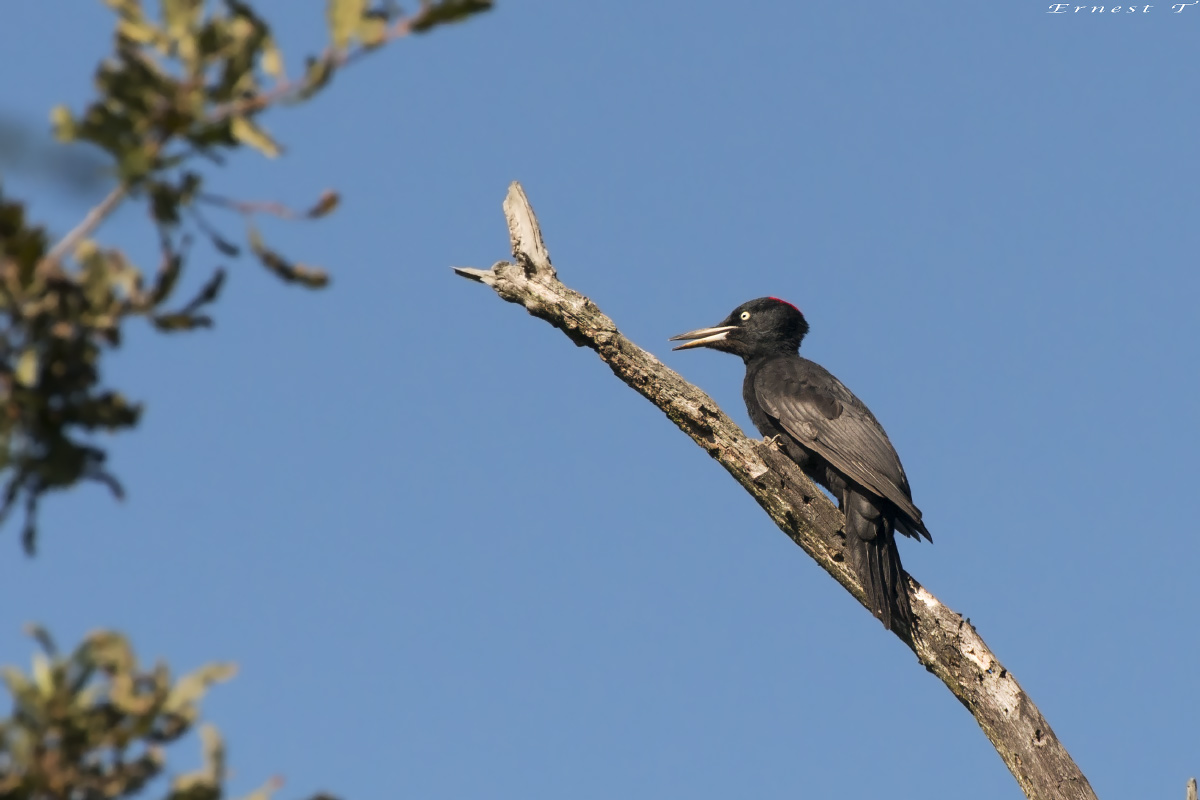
pixel 745 316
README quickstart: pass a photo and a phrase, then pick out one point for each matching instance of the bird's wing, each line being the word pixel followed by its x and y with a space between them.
pixel 818 411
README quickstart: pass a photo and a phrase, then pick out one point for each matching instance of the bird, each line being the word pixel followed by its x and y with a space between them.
pixel 834 438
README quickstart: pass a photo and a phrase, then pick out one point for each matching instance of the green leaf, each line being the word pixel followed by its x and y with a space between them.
pixel 309 277
pixel 189 185
pixel 42 637
pixel 134 163
pixel 164 281
pixel 448 11
pixel 164 202
pixel 186 318
pixel 226 247
pixel 344 17
pixel 247 132
pixel 208 292
pixel 328 201
pixel 317 74
pixel 170 323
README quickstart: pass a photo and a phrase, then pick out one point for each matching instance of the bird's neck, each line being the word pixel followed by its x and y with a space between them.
pixel 761 355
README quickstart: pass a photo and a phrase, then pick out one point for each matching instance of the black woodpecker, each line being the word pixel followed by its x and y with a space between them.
pixel 831 435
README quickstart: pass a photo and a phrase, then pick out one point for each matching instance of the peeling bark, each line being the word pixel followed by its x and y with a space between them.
pixel 944 642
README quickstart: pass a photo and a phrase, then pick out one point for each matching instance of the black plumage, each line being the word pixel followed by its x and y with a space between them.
pixel 832 436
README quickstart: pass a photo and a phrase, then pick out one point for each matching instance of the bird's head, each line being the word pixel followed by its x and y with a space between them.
pixel 764 326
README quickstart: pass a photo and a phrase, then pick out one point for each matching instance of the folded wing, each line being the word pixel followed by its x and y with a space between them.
pixel 823 415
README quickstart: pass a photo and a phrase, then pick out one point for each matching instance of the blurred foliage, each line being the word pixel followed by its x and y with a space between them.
pixel 180 90
pixel 95 725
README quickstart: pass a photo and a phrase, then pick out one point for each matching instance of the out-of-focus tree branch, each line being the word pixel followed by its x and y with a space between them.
pixel 97 724
pixel 178 93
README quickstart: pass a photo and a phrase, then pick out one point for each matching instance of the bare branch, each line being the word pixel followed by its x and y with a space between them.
pixel 945 643
pixel 84 229
pixel 527 246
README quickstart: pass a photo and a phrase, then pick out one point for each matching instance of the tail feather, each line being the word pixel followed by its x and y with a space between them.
pixel 884 576
pixel 915 529
pixel 871 550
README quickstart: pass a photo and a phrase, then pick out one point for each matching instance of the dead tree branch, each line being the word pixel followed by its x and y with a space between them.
pixel 945 643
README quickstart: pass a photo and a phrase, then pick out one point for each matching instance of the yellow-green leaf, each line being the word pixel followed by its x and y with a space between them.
pixel 272 59
pixel 266 791
pixel 344 17
pixel 27 368
pixel 17 682
pixel 188 691
pixel 43 675
pixel 63 122
pixel 110 651
pixel 204 783
pixel 140 31
pixel 247 132
pixel 372 30
pixel 126 8
pixel 86 250
pixel 181 16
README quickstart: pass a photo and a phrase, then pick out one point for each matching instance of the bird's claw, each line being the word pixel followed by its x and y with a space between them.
pixel 775 441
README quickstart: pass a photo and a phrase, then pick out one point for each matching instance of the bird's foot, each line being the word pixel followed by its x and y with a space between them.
pixel 775 441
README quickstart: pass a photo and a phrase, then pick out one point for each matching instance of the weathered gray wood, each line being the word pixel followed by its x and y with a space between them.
pixel 945 643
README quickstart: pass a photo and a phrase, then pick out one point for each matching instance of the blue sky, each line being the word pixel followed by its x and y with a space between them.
pixel 455 558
